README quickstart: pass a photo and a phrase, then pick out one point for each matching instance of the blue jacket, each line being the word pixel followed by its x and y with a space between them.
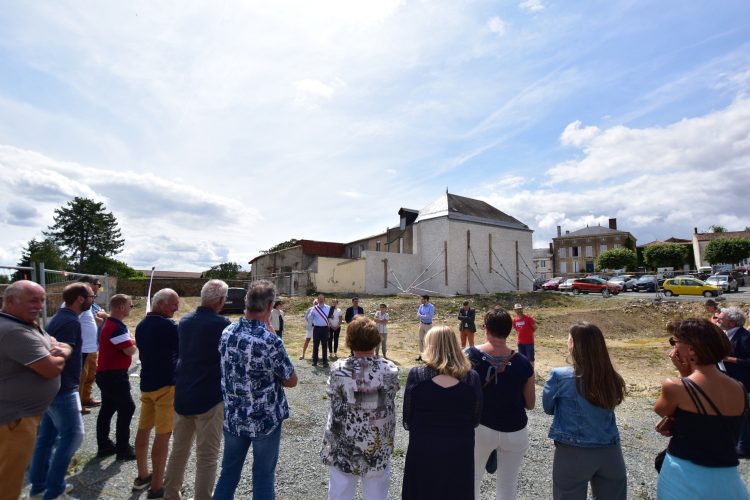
pixel 740 350
pixel 577 422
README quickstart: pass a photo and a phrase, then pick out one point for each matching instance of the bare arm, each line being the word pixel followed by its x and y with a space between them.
pixel 49 367
pixel 666 405
pixel 291 381
pixel 130 351
pixel 529 394
pixel 60 349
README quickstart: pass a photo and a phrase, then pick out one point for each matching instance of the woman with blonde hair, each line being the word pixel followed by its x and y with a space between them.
pixel 582 399
pixel 442 404
pixel 703 411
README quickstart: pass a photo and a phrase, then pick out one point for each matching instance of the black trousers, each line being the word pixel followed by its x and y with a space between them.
pixel 116 398
pixel 320 337
pixel 333 340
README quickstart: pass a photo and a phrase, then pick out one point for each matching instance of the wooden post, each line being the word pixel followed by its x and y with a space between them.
pixel 518 274
pixel 468 263
pixel 385 273
pixel 445 255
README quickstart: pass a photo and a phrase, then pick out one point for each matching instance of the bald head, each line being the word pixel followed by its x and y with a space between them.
pixel 23 299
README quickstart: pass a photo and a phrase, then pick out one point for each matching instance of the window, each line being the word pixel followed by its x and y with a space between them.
pixel 602 248
pixel 562 253
pixel 589 251
pixel 351 250
pixel 575 266
pixel 563 267
pixel 543 264
pixel 574 252
pixel 377 246
pixel 616 245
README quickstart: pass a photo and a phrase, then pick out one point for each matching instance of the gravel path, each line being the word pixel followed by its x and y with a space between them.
pixel 301 476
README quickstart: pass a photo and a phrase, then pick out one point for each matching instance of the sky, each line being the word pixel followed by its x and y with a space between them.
pixel 215 130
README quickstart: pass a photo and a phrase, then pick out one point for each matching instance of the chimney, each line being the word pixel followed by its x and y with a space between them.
pixel 551 249
pixel 695 229
pixel 567 231
pixel 559 231
pixel 613 224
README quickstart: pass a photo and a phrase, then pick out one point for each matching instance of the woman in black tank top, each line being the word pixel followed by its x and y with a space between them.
pixel 703 413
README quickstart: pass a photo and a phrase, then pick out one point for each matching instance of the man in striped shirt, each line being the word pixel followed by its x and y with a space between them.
pixel 116 350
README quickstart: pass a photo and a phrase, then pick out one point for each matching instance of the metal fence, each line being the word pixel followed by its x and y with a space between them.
pixel 53 282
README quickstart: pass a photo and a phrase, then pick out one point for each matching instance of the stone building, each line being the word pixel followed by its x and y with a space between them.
pixel 576 252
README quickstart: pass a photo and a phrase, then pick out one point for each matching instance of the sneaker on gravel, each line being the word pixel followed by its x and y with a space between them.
pixel 107 450
pixel 40 495
pixel 141 484
pixel 126 454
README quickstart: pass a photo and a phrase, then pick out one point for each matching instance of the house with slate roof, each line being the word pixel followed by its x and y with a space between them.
pixel 576 252
pixel 454 245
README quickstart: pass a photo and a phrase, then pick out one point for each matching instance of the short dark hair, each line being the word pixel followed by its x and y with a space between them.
pixel 498 322
pixel 426 297
pixel 362 334
pixel 710 303
pixel 383 305
pixel 466 302
pixel 277 304
pixel 75 290
pixel 709 343
pixel 355 298
pixel 260 295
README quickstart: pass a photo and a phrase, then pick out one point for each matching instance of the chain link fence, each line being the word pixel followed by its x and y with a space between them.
pixel 53 282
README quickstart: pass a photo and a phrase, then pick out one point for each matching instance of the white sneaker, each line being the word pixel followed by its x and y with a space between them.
pixel 39 496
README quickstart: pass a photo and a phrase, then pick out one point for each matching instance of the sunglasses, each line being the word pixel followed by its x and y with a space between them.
pixel 673 341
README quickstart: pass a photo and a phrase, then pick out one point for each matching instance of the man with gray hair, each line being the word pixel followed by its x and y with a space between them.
pixel 737 364
pixel 30 365
pixel 157 340
pixel 198 403
pixel 255 368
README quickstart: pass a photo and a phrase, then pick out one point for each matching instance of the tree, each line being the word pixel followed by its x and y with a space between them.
pixel 718 229
pixel 225 271
pixel 45 251
pixel 98 264
pixel 617 258
pixel 83 228
pixel 281 246
pixel 727 250
pixel 665 255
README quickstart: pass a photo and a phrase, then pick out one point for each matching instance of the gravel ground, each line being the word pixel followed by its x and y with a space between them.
pixel 300 475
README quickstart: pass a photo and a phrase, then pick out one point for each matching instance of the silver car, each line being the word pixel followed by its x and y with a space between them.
pixel 726 282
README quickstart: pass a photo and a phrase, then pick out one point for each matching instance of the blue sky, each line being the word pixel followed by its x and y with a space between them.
pixel 215 130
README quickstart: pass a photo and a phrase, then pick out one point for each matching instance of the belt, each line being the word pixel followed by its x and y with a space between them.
pixel 426 323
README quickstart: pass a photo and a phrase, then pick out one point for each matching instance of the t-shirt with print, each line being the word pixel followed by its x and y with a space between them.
pixel 253 364
pixel 361 426
pixel 113 339
pixel 23 392
pixel 65 327
pixel 525 328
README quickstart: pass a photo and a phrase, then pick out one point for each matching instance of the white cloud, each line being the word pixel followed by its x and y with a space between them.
pixel 497 25
pixel 531 5
pixel 575 135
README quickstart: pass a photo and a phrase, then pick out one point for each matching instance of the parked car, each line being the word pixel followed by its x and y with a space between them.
pixel 726 282
pixel 552 283
pixel 648 283
pixel 736 274
pixel 690 286
pixel 596 285
pixel 235 302
pixel 566 286
pixel 538 283
pixel 626 282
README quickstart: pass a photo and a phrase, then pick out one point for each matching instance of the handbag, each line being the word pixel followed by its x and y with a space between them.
pixel 664 427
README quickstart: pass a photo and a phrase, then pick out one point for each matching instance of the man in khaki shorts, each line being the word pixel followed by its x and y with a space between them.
pixel 157 340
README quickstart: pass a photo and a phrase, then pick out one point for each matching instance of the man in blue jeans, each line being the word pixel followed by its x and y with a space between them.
pixel 62 425
pixel 255 368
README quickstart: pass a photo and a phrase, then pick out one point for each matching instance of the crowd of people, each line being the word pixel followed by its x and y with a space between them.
pixel 206 380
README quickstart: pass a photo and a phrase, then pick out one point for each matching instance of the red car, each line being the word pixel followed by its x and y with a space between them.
pixel 596 285
pixel 553 283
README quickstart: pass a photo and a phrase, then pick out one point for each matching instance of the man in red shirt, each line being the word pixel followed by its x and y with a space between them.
pixel 525 326
pixel 116 350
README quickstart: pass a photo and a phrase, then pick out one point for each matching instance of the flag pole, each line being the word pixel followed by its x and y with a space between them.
pixel 148 295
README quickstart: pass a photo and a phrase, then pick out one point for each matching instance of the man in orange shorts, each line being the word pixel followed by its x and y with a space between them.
pixel 157 341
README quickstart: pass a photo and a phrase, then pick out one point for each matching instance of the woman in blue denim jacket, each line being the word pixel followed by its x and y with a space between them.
pixel 582 399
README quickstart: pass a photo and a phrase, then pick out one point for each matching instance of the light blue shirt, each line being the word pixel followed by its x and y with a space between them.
pixel 426 312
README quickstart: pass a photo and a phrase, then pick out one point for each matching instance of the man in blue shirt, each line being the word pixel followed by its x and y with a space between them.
pixel 157 341
pixel 62 425
pixel 198 403
pixel 255 368
pixel 425 314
